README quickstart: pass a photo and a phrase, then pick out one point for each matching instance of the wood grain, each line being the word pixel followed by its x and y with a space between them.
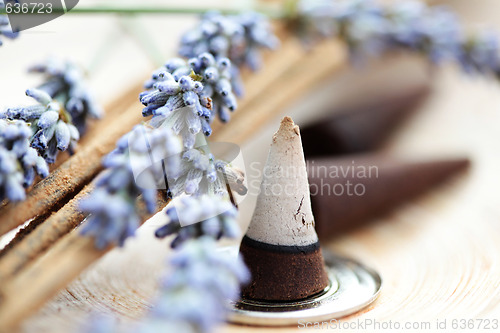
pixel 41 280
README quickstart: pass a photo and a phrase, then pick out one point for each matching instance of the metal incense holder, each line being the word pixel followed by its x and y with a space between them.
pixel 352 287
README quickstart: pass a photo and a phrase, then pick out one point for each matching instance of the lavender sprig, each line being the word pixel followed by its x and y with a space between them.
pixel 193 217
pixel 215 97
pixel 193 298
pixel 369 28
pixel 197 290
pixel 64 81
pixel 19 163
pixel 217 79
pixel 176 101
pixel 5 29
pixel 112 205
pixel 201 173
pixel 51 126
pixel 237 37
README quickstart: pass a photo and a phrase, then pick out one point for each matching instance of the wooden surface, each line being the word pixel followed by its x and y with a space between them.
pixel 438 255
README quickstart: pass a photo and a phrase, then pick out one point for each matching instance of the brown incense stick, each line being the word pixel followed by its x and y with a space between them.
pixel 71 176
pixel 40 239
pixel 33 286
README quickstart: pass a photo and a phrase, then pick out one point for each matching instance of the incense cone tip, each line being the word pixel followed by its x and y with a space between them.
pixel 287 130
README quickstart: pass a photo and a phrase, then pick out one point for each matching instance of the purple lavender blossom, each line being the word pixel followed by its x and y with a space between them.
pixel 192 217
pixel 433 31
pixel 193 298
pixel 217 80
pixel 51 126
pixel 479 53
pixel 201 173
pixel 176 101
pixel 19 163
pixel 5 29
pixel 200 285
pixel 237 37
pixel 369 28
pixel 64 81
pixel 215 98
pixel 112 205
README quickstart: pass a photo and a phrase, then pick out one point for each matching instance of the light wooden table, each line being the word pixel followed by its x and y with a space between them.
pixel 438 255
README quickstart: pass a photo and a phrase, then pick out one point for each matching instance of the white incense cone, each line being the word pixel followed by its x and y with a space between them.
pixel 281 247
pixel 283 214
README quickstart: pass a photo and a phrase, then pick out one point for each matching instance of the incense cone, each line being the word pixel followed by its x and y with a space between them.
pixel 281 247
pixel 361 128
pixel 349 192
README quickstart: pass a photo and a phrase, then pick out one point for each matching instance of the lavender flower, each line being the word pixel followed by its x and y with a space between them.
pixel 369 28
pixel 434 31
pixel 51 126
pixel 112 205
pixel 215 97
pixel 64 81
pixel 208 215
pixel 479 53
pixel 258 34
pixel 193 298
pixel 237 37
pixel 5 29
pixel 217 77
pixel 200 173
pixel 201 283
pixel 176 101
pixel 19 163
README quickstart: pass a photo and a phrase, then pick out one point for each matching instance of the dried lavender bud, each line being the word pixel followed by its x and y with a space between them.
pixel 479 53
pixel 176 101
pixel 202 84
pixel 112 205
pixel 51 126
pixel 433 31
pixel 5 29
pixel 201 283
pixel 200 173
pixel 369 28
pixel 258 34
pixel 217 81
pixel 193 298
pixel 19 163
pixel 193 217
pixel 237 37
pixel 65 82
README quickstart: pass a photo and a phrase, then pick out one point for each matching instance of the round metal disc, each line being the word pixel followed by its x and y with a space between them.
pixel 352 287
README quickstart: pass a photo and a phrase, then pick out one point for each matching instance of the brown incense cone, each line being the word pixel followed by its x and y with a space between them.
pixel 281 247
pixel 362 128
pixel 348 192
